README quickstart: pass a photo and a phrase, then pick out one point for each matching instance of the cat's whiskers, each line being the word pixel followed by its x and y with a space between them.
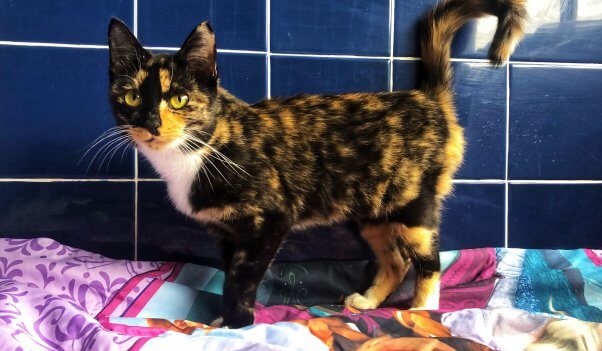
pixel 205 158
pixel 112 153
pixel 129 145
pixel 217 155
pixel 196 143
pixel 106 147
pixel 111 132
pixel 223 158
pixel 108 139
pixel 192 151
pixel 217 169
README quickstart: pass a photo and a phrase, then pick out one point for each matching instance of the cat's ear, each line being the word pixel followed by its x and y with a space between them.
pixel 198 53
pixel 125 51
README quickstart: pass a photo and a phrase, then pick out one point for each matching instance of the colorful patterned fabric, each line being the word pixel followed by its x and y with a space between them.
pixel 567 282
pixel 53 297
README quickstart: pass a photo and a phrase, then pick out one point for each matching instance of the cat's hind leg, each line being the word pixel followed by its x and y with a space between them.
pixel 421 243
pixel 392 267
pixel 417 235
pixel 410 232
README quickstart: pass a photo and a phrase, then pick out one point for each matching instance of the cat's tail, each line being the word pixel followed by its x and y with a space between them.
pixel 442 22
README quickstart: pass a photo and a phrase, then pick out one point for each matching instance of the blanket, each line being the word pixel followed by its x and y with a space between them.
pixel 54 297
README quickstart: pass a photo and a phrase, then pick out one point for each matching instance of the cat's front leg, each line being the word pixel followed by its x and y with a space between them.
pixel 250 259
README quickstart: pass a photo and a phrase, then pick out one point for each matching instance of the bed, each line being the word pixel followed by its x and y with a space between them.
pixel 55 297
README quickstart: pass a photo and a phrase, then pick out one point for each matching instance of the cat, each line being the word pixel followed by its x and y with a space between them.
pixel 251 173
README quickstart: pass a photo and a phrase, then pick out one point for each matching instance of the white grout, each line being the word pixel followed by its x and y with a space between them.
pixel 135 25
pixel 54 45
pixel 57 180
pixel 268 58
pixel 247 52
pixel 457 181
pixel 227 51
pixel 507 152
pixel 391 41
pixel 478 181
pixel 136 195
pixel 527 64
pixel 554 182
pixel 330 56
pixel 136 192
pixel 269 53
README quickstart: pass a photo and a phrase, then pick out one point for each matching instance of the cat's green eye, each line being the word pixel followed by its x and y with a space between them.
pixel 178 101
pixel 132 98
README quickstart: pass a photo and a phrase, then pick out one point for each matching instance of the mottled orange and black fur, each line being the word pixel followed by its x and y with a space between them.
pixel 253 172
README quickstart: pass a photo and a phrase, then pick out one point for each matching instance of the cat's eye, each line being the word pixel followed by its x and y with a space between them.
pixel 132 98
pixel 178 101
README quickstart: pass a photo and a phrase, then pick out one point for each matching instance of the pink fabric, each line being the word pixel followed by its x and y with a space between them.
pixel 143 299
pixel 469 282
pixel 279 313
pixel 130 286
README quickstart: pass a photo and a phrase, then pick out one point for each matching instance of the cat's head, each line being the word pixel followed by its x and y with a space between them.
pixel 163 99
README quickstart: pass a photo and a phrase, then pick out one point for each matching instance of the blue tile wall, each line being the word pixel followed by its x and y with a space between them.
pixel 555 215
pixel 64 21
pixel 54 104
pixel 555 125
pixel 473 217
pixel 532 171
pixel 359 27
pixel 294 75
pixel 94 216
pixel 243 75
pixel 238 24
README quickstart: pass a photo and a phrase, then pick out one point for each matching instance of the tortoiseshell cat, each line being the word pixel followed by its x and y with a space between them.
pixel 253 172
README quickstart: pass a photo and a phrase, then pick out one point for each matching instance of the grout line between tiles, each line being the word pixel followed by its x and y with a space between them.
pixel 227 51
pixel 52 45
pixel 391 41
pixel 66 180
pixel 506 184
pixel 341 56
pixel 135 24
pixel 478 181
pixel 136 174
pixel 268 59
pixel 553 182
pixel 456 181
pixel 136 196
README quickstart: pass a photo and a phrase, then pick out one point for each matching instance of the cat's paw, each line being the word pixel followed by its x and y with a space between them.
pixel 358 300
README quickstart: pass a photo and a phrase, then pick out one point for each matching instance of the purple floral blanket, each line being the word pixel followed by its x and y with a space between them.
pixel 54 297
pixel 51 293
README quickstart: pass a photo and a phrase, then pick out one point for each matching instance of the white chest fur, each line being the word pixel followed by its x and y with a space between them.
pixel 178 171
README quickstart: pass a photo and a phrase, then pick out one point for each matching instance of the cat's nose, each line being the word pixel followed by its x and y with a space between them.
pixel 152 124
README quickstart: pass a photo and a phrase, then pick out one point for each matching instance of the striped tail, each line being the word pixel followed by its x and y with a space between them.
pixel 442 22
